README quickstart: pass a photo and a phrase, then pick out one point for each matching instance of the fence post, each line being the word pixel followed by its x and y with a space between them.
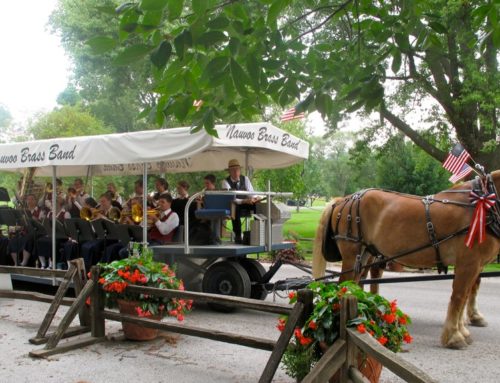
pixel 300 312
pixel 97 327
pixel 348 311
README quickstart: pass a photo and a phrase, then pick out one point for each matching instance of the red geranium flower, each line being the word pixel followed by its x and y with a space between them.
pixel 361 328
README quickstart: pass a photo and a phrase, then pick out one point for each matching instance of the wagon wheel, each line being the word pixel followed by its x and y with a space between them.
pixel 255 271
pixel 226 278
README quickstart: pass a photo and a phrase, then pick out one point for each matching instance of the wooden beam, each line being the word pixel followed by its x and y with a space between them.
pixel 72 331
pixel 28 295
pixel 331 361
pixel 348 311
pixel 78 284
pixel 304 302
pixel 32 271
pixel 356 376
pixel 241 302
pixel 389 359
pixel 67 346
pixel 70 315
pixel 54 306
pixel 248 341
pixel 97 324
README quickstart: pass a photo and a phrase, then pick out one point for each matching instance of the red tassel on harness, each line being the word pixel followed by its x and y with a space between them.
pixel 478 225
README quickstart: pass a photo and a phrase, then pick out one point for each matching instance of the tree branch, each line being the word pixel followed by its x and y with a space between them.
pixel 339 9
pixel 413 135
pixel 303 16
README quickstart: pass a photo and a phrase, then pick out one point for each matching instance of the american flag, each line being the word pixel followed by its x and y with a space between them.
pixel 289 115
pixel 465 171
pixel 456 159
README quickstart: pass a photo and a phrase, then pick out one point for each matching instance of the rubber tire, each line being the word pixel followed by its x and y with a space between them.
pixel 255 271
pixel 226 278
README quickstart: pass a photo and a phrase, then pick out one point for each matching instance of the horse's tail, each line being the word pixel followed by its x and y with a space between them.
pixel 322 234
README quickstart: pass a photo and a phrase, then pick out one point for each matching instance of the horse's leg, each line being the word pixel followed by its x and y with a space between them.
pixel 348 251
pixel 475 317
pixel 375 273
pixel 462 327
pixel 454 331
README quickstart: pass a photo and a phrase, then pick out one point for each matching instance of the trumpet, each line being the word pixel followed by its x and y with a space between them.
pixel 136 213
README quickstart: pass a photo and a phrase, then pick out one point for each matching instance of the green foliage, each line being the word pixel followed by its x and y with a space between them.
pixel 332 56
pixel 68 121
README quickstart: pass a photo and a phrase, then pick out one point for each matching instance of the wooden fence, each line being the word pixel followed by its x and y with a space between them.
pixel 342 355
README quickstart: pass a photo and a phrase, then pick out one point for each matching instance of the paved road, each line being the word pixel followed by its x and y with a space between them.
pixel 173 358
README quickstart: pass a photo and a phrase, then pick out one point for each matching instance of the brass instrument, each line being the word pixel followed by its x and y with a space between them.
pixel 114 214
pixel 48 187
pixel 89 214
pixel 136 213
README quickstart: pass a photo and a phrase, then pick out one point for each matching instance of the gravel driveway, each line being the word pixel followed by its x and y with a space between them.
pixel 180 358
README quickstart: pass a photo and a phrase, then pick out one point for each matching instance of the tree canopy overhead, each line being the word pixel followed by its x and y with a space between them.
pixel 334 56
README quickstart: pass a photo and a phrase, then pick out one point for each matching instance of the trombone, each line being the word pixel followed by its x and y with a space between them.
pixel 136 213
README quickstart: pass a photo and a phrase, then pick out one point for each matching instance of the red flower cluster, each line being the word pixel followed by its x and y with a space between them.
pixel 281 324
pixel 383 340
pixel 143 313
pixel 134 277
pixel 117 287
pixel 407 338
pixel 389 318
pixel 303 340
pixel 361 328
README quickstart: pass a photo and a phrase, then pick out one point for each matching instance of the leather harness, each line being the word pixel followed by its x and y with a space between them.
pixel 479 186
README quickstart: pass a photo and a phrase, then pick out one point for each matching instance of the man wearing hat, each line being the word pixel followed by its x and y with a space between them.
pixel 237 181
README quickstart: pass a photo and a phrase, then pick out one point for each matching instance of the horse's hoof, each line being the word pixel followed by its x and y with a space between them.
pixel 468 339
pixel 478 322
pixel 456 342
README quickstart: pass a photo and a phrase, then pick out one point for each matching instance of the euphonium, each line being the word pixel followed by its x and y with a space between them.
pixel 114 214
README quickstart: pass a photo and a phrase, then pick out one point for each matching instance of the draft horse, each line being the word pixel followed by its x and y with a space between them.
pixel 420 232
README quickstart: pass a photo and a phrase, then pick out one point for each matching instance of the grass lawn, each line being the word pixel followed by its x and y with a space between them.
pixel 302 226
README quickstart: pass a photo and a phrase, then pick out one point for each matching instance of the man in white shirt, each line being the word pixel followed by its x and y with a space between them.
pixel 237 181
pixel 165 224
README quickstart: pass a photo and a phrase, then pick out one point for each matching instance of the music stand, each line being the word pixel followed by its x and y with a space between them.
pixel 99 229
pixel 135 232
pixel 37 228
pixel 117 232
pixel 11 217
pixel 60 230
pixel 4 195
pixel 79 229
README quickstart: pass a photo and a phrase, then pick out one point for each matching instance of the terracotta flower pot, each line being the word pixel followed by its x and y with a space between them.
pixel 133 331
pixel 370 367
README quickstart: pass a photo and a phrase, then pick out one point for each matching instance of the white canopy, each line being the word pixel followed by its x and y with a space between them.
pixel 256 145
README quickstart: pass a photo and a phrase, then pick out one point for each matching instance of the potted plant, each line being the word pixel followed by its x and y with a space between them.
pixel 376 316
pixel 142 270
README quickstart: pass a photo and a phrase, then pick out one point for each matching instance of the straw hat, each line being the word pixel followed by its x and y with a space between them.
pixel 233 164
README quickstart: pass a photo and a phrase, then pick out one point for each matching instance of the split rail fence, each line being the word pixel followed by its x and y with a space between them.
pixel 342 355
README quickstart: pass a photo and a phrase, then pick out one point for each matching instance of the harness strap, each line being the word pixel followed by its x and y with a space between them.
pixel 427 201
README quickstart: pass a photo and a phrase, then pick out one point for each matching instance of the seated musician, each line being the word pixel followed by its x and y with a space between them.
pixel 72 204
pixel 165 224
pixel 45 201
pixel 117 197
pixel 244 204
pixel 91 250
pixel 81 194
pixel 45 243
pixel 29 242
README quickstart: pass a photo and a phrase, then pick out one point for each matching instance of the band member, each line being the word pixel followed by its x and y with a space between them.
pixel 32 207
pixel 46 201
pixel 29 240
pixel 81 194
pixel 117 197
pixel 165 224
pixel 179 204
pixel 45 243
pixel 72 204
pixel 161 186
pixel 244 204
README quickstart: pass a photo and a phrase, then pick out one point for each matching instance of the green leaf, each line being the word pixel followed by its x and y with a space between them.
pixel 254 71
pixel 402 41
pixel 151 19
pixel 181 107
pixel 240 78
pixel 199 6
pixel 124 7
pixel 323 103
pixel 181 42
pixel 101 44
pixel 211 37
pixel 129 20
pixel 438 27
pixel 132 54
pixel 160 56
pixel 274 11
pixel 153 5
pixel 175 9
pixel 219 22
pixel 144 113
pixel 396 60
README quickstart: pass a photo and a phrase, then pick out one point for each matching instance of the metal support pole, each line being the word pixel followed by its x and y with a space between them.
pixel 269 220
pixel 54 219
pixel 145 205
